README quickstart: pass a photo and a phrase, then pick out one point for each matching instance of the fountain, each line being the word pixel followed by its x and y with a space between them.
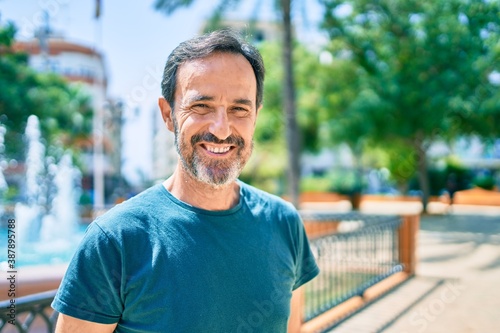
pixel 31 211
pixel 62 221
pixel 47 218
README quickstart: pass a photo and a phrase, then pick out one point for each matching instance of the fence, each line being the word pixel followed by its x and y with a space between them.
pixel 31 314
pixel 360 256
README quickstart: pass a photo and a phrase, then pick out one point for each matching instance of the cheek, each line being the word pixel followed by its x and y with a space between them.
pixel 248 134
pixel 189 126
pixel 245 127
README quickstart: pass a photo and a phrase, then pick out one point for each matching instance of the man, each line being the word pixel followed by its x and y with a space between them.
pixel 202 252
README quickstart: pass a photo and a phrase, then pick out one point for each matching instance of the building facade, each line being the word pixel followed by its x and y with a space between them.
pixel 85 66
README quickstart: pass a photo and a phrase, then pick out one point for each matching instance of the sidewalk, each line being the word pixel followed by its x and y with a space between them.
pixel 457 287
pixel 466 248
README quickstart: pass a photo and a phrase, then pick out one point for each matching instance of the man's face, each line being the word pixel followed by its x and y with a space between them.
pixel 214 117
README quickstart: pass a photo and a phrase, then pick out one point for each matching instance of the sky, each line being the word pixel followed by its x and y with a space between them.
pixel 136 41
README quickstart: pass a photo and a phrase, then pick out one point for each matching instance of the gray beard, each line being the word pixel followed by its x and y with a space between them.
pixel 214 173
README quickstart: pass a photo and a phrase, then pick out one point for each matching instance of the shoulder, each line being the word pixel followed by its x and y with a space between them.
pixel 256 198
pixel 133 212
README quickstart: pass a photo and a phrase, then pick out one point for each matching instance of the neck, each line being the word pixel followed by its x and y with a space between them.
pixel 198 194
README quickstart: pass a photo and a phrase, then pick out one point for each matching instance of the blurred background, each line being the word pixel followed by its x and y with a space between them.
pixel 389 106
pixel 395 98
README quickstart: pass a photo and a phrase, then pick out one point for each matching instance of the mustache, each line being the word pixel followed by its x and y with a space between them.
pixel 209 137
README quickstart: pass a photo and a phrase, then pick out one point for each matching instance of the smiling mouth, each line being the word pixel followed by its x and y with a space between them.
pixel 217 150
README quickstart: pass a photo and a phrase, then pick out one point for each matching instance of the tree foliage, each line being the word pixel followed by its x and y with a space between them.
pixel 284 9
pixel 424 69
pixel 268 162
pixel 325 90
pixel 65 112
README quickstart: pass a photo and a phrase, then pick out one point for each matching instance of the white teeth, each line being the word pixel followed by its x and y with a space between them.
pixel 218 150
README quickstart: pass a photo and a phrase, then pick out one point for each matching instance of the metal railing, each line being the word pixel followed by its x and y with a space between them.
pixel 362 251
pixel 30 313
pixel 354 252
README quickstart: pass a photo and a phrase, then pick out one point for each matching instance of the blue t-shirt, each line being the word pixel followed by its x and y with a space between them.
pixel 157 264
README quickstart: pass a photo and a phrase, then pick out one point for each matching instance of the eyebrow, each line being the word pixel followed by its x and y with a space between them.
pixel 200 98
pixel 244 101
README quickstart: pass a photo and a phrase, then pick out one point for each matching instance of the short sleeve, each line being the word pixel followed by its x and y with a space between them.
pixel 90 289
pixel 306 268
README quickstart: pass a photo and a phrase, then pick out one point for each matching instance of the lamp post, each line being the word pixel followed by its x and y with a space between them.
pixel 98 159
pixel 98 135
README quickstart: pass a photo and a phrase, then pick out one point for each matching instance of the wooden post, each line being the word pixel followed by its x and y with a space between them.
pixel 408 233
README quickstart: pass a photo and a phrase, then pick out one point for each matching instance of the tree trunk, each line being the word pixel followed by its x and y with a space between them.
pixel 355 195
pixel 292 131
pixel 423 176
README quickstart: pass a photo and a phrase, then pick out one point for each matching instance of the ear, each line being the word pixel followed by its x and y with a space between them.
pixel 166 113
pixel 257 114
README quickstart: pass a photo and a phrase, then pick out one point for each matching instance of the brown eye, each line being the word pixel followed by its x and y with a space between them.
pixel 201 108
pixel 239 111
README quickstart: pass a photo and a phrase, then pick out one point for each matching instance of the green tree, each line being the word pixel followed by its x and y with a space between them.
pixel 65 112
pixel 289 99
pixel 424 68
pixel 268 161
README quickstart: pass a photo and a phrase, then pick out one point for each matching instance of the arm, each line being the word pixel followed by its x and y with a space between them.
pixel 68 324
pixel 296 308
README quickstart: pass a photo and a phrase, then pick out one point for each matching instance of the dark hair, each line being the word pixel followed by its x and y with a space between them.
pixel 202 46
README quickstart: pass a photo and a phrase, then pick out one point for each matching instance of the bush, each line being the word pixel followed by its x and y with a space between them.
pixel 314 184
pixel 339 181
pixel 453 177
pixel 486 182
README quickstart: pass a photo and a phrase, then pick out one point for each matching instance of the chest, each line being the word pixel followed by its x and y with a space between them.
pixel 195 276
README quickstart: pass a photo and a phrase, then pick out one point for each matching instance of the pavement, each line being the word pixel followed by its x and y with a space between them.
pixel 456 288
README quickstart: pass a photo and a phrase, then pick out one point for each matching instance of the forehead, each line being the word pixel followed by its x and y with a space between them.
pixel 217 61
pixel 230 72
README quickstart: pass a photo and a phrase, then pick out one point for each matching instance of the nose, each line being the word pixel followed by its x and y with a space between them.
pixel 220 126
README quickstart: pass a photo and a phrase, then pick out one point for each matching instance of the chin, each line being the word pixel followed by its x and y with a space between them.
pixel 217 182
